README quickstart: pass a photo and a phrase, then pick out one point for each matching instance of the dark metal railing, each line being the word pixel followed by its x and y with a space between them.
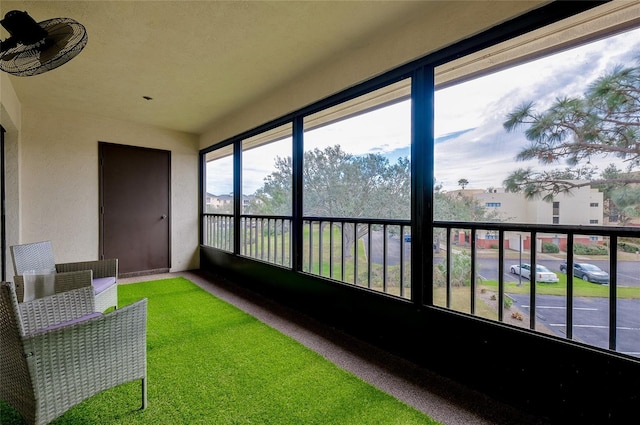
pixel 604 237
pixel 364 252
pixel 376 254
pixel 217 231
pixel 266 238
pixel 372 253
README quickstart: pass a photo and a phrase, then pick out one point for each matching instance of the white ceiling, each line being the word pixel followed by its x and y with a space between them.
pixel 198 60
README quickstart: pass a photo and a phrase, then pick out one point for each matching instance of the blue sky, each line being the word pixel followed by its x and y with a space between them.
pixel 470 140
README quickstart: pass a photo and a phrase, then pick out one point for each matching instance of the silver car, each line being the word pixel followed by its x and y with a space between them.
pixel 543 274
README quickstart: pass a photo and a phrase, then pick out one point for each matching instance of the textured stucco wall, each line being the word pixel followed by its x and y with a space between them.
pixel 59 181
pixel 11 120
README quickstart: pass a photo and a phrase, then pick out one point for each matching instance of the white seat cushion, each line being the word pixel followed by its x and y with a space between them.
pixel 102 283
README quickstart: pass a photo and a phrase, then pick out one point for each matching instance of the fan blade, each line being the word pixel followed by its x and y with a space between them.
pixel 59 35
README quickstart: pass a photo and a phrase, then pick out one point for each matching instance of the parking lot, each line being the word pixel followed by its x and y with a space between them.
pixel 590 315
pixel 590 319
pixel 628 271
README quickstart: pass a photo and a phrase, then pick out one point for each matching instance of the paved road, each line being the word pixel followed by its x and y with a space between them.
pixel 393 248
pixel 628 271
pixel 590 319
pixel 590 315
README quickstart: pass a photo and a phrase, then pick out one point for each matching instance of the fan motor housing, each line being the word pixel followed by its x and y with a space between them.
pixel 23 28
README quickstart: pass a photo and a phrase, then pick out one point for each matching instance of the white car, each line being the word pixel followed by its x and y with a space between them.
pixel 543 274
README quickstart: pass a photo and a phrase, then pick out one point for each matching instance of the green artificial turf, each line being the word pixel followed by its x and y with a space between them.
pixel 210 363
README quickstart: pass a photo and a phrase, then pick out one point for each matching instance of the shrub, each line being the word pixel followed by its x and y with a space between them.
pixel 628 247
pixel 460 271
pixel 508 302
pixel 550 248
pixel 582 249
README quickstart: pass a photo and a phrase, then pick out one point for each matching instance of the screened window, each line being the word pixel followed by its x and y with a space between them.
pixel 267 184
pixel 510 124
pixel 219 199
pixel 540 124
pixel 357 191
pixel 267 173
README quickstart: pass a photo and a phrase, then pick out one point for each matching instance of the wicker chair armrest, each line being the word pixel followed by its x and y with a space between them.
pixel 100 268
pixel 62 307
pixel 74 356
pixel 63 282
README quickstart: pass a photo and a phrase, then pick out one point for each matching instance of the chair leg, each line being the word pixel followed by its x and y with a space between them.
pixel 144 393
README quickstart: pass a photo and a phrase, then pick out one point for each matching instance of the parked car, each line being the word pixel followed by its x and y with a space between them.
pixel 543 274
pixel 587 272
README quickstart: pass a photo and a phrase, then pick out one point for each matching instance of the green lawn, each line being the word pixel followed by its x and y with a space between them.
pixel 580 288
pixel 329 262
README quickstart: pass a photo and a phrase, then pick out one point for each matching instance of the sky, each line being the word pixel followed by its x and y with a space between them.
pixel 471 142
pixel 485 154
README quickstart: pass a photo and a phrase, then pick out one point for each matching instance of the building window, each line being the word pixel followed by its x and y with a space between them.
pixel 267 175
pixel 594 204
pixel 556 220
pixel 593 221
pixel 493 204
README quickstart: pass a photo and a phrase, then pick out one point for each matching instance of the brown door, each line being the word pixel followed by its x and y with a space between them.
pixel 134 208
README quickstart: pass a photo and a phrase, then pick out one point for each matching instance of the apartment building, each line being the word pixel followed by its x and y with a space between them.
pixel 583 207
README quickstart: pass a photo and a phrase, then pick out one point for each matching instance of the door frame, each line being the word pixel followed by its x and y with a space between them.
pixel 101 238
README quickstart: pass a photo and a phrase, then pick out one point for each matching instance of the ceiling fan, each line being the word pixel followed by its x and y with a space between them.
pixel 37 47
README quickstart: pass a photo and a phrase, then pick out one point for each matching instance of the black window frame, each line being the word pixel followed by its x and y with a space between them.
pixel 421 72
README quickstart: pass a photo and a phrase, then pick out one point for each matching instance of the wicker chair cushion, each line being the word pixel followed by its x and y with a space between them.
pixel 102 283
pixel 68 322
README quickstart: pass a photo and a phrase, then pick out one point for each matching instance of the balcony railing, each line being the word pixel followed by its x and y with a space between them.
pixel 370 253
pixel 472 268
pixel 266 239
pixel 217 231
pixel 367 253
pixel 592 309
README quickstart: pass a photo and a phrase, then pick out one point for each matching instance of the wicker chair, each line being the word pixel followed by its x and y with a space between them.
pixel 48 366
pixel 39 256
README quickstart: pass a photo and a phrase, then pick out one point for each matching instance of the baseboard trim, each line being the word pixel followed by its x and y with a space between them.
pixel 143 273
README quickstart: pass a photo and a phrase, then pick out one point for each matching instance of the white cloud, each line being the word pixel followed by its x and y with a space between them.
pixel 380 131
pixel 485 155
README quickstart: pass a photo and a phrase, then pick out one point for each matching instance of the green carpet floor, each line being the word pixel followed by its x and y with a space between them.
pixel 211 363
